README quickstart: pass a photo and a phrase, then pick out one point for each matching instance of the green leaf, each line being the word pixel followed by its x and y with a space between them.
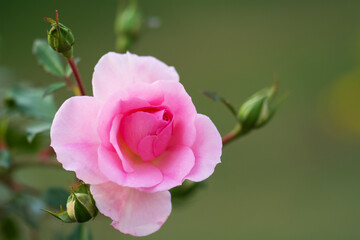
pixel 68 70
pixel 81 232
pixel 30 102
pixel 54 87
pixel 216 97
pixel 63 216
pixel 9 229
pixel 38 128
pixel 5 159
pixel 55 197
pixel 48 58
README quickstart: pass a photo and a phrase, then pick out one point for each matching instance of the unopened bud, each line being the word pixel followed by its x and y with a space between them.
pixel 257 110
pixel 128 21
pixel 60 37
pixel 81 207
pixel 127 26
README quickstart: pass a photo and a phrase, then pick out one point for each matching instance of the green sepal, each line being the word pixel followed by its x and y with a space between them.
pixel 216 97
pixel 63 216
pixel 81 212
pixel 84 188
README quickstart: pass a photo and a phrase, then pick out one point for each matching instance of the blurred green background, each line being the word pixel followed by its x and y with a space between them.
pixel 298 177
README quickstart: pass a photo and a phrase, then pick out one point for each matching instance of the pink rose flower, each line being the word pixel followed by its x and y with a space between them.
pixel 138 137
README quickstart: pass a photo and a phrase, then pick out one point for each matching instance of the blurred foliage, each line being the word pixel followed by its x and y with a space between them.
pixel 30 102
pixel 338 101
pixel 5 160
pixel 55 197
pixel 28 208
pixel 127 25
pixel 81 232
pixel 9 229
pixel 54 87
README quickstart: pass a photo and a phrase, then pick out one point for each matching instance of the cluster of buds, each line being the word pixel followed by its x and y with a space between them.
pixel 60 37
pixel 80 206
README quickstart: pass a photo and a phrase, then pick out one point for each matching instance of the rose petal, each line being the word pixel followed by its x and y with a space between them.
pixel 175 164
pixel 115 128
pixel 132 211
pixel 184 112
pixel 144 174
pixel 138 125
pixel 75 140
pixel 207 149
pixel 139 95
pixel 115 71
pixel 112 108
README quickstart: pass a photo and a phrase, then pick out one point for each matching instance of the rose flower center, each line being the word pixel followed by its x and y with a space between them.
pixel 147 132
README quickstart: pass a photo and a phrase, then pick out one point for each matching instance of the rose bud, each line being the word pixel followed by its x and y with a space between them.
pixel 127 26
pixel 256 111
pixel 60 37
pixel 81 207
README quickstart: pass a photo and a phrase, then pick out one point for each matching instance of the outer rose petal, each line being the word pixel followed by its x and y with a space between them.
pixel 207 149
pixel 114 72
pixel 132 211
pixel 75 140
pixel 175 164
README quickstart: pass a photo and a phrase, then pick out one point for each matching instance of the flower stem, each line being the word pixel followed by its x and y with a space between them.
pixel 228 138
pixel 232 135
pixel 75 71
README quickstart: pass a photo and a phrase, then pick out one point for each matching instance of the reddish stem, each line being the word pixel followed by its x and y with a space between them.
pixel 228 138
pixel 76 75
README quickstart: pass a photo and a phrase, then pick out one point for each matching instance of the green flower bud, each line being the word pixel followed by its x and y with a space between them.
pixel 60 37
pixel 128 21
pixel 127 26
pixel 81 207
pixel 257 110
